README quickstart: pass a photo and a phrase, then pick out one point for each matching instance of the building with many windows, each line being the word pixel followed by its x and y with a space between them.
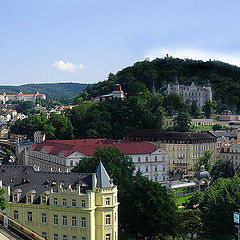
pixel 22 97
pixel 62 206
pixel 63 155
pixel 183 148
pixel 192 93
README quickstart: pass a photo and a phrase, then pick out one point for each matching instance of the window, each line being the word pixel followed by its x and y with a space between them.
pixel 108 236
pixel 44 235
pixel 44 218
pixel 64 237
pixel 156 169
pixel 15 215
pixel 146 159
pixel 44 200
pixel 156 158
pixel 146 169
pixel 74 221
pixel 108 201
pixel 55 202
pixel 29 199
pixel 74 203
pixel 108 219
pixel 74 238
pixel 83 238
pixel 163 168
pixel 55 237
pixel 15 197
pixel 55 219
pixel 64 202
pixel 83 203
pixel 64 220
pixel 29 216
pixel 83 222
pixel 139 159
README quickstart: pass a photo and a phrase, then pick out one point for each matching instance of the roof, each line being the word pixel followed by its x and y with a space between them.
pixel 103 180
pixel 171 135
pixel 117 88
pixel 25 179
pixel 88 147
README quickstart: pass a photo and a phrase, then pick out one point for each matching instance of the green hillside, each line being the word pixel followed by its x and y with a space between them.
pixel 224 78
pixel 52 90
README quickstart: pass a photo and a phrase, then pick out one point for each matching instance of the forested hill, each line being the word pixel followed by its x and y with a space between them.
pixel 224 78
pixel 52 90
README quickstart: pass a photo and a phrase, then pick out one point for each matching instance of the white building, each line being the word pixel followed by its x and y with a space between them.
pixel 63 155
pixel 192 93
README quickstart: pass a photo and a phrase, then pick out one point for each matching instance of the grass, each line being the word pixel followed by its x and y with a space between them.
pixel 181 200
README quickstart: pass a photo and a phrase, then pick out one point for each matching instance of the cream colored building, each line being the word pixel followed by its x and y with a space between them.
pixel 195 122
pixel 183 148
pixel 62 206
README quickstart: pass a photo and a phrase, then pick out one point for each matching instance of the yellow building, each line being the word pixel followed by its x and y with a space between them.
pixel 62 206
pixel 183 148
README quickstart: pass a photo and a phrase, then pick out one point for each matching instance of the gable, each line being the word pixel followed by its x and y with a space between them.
pixel 76 155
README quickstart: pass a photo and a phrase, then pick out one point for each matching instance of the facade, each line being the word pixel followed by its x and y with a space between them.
pixel 183 148
pixel 39 136
pixel 227 116
pixel 62 206
pixel 63 155
pixel 192 93
pixel 195 122
pixel 22 97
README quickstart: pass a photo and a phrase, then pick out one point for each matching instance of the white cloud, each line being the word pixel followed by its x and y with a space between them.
pixel 68 66
pixel 194 54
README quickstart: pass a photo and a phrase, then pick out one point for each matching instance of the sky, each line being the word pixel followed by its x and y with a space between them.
pixel 83 41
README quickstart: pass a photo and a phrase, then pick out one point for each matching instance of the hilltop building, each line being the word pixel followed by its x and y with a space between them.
pixel 183 148
pixel 192 93
pixel 22 97
pixel 66 206
pixel 63 155
pixel 117 93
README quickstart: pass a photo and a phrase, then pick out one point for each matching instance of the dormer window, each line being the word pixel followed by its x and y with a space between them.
pixel 15 197
pixel 29 199
pixel 44 200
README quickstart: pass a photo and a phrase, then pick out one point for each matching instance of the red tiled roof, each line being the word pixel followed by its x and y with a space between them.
pixel 89 146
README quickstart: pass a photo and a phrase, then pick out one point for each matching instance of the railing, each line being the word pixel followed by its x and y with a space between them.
pixel 18 229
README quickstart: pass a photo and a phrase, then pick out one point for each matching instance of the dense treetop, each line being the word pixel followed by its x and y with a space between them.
pixel 224 78
pixel 52 90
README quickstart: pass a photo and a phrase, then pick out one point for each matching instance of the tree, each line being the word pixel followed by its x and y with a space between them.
pixel 194 200
pixel 159 118
pixel 207 109
pixel 189 222
pixel 182 122
pixel 145 207
pixel 205 161
pixel 219 203
pixel 7 155
pixel 119 167
pixel 217 127
pixel 222 169
pixel 152 209
pixel 3 204
pixel 195 110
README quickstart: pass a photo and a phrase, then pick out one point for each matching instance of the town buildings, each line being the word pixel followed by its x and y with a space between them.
pixel 63 155
pixel 62 206
pixel 183 148
pixel 22 97
pixel 192 93
pixel 230 150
